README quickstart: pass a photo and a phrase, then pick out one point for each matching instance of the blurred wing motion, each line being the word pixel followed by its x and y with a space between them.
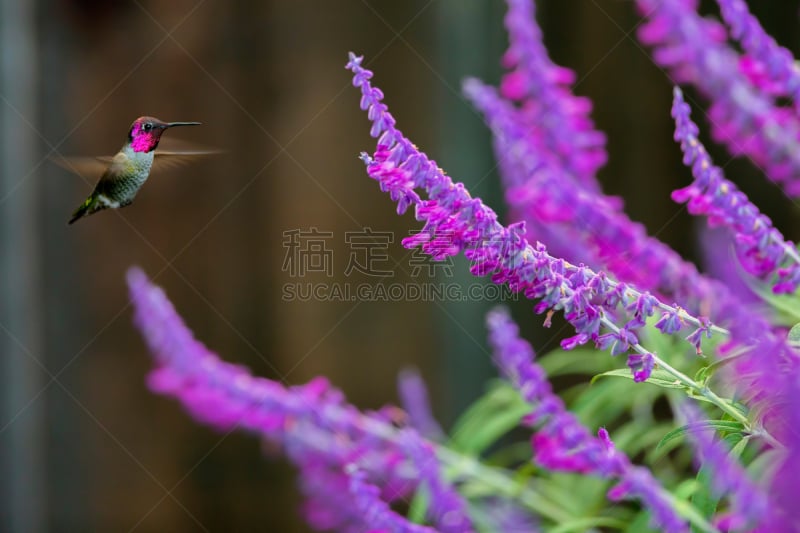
pixel 88 167
pixel 175 152
pixel 169 154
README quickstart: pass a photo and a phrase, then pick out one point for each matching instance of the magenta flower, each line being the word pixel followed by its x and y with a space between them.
pixel 334 445
pixel 560 442
pixel 743 116
pixel 762 248
pixel 559 122
pixel 374 510
pixel 467 225
pixel 446 510
pixel 585 224
pixel 536 183
pixel 414 399
pixel 641 366
pixel 769 66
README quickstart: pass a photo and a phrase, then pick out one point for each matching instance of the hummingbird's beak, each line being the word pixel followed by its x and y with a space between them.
pixel 172 124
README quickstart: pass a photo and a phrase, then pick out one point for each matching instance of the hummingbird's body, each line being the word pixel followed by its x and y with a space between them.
pixel 127 171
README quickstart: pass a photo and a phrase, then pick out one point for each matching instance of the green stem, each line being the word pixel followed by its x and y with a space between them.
pixel 501 482
pixel 498 480
pixel 702 390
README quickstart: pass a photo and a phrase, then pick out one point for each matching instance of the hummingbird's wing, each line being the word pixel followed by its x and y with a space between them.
pixel 175 152
pixel 88 167
pixel 95 167
pixel 175 159
pixel 169 154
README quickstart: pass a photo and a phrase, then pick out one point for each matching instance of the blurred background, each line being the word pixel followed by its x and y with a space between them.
pixel 84 445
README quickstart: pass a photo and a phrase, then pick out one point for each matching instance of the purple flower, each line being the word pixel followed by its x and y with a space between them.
pixel 748 503
pixel 317 429
pixel 743 116
pixel 414 399
pixel 520 159
pixel 763 250
pixel 375 511
pixel 446 508
pixel 328 504
pixel 696 337
pixel 560 441
pixel 768 65
pixel 718 258
pixel 670 321
pixel 641 366
pixel 581 224
pixel 764 373
pixel 640 482
pixel 619 341
pixel 466 224
pixel 784 512
pixel 559 121
pixel 507 517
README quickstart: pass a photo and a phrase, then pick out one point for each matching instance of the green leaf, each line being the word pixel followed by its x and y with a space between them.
pixel 578 361
pixel 763 464
pixel 635 438
pixel 708 371
pixel 684 490
pixel 726 426
pixel 786 305
pixel 490 417
pixel 640 523
pixel 419 506
pixel 508 456
pixel 659 378
pixel 578 495
pixel 602 403
pixel 703 499
pixel 696 520
pixel 794 335
pixel 736 443
pixel 702 375
pixel 589 523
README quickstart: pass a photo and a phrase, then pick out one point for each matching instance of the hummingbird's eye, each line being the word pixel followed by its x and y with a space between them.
pixel 147 126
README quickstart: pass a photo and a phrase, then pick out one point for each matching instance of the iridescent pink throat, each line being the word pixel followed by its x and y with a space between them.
pixel 145 141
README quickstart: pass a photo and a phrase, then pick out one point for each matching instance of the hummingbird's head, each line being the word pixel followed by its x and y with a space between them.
pixel 145 132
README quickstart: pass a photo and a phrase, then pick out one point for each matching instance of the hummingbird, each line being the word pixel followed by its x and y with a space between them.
pixel 125 173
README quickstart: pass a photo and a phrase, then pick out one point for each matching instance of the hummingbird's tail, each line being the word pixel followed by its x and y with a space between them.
pixel 84 209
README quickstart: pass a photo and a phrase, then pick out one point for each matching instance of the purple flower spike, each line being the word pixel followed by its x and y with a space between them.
pixel 584 225
pixel 446 509
pixel 328 505
pixel 414 399
pixel 455 222
pixel 561 124
pixel 769 66
pixel 376 512
pixel 762 249
pixel 744 116
pixel 560 441
pixel 640 482
pixel 318 430
pixel 748 503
